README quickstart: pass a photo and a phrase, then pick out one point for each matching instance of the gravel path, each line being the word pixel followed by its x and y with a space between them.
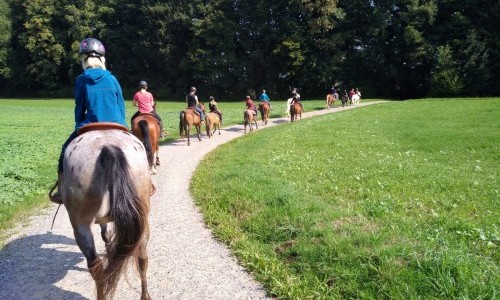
pixel 185 261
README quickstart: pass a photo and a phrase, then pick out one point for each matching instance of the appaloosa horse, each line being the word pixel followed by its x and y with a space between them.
pixel 107 179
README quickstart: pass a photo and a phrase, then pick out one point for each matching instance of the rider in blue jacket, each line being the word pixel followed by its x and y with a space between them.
pixel 265 98
pixel 98 97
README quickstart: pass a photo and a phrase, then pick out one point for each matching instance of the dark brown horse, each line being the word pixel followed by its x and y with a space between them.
pixel 295 111
pixel 146 128
pixel 264 111
pixel 248 119
pixel 108 180
pixel 212 120
pixel 345 99
pixel 188 119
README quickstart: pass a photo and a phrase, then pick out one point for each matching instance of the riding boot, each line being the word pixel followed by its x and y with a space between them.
pixel 56 197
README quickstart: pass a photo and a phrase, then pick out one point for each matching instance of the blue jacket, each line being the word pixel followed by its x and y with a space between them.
pixel 264 97
pixel 98 98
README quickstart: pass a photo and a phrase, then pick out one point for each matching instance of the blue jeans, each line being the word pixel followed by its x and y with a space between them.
pixel 202 116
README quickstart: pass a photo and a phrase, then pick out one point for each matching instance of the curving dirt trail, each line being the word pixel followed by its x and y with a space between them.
pixel 185 261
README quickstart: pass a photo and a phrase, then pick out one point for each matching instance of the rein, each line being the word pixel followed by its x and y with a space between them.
pixel 59 206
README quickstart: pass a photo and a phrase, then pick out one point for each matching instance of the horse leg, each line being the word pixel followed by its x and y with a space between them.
pixel 142 262
pixel 85 241
pixel 106 233
pixel 157 158
pixel 198 132
pixel 188 129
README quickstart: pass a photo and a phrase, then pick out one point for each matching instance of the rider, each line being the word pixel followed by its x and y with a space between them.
pixel 145 103
pixel 264 98
pixel 214 108
pixel 98 97
pixel 250 105
pixel 296 98
pixel 332 90
pixel 192 102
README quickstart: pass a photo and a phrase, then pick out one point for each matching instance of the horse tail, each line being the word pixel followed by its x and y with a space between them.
pixel 207 124
pixel 128 212
pixel 182 130
pixel 143 124
pixel 246 118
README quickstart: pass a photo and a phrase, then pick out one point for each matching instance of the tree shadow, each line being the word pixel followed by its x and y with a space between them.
pixel 30 268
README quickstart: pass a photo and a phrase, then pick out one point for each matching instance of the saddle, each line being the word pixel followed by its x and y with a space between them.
pixel 146 114
pixel 101 126
pixel 194 110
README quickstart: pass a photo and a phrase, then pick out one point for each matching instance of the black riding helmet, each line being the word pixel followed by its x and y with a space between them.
pixel 92 47
pixel 143 84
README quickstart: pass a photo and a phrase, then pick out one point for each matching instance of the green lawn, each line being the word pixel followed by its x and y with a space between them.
pixel 32 132
pixel 392 201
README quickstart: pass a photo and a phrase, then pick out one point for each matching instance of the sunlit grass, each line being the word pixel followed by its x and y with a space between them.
pixel 393 201
pixel 31 135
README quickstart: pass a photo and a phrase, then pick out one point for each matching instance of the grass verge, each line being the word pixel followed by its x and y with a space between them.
pixel 392 201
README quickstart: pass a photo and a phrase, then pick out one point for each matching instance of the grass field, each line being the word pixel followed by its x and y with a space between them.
pixel 31 135
pixel 393 201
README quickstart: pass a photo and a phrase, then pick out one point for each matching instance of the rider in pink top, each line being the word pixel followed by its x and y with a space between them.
pixel 144 101
pixel 146 104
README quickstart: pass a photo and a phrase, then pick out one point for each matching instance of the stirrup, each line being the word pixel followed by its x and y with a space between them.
pixel 55 197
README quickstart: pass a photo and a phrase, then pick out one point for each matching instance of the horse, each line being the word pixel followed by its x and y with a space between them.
pixel 295 110
pixel 248 118
pixel 345 99
pixel 287 109
pixel 355 98
pixel 189 118
pixel 107 179
pixel 212 119
pixel 330 100
pixel 264 111
pixel 147 129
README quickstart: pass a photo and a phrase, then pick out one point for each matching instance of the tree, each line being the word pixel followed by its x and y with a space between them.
pixel 5 35
pixel 45 51
pixel 446 79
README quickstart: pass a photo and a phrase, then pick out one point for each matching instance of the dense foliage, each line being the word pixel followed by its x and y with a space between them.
pixel 387 48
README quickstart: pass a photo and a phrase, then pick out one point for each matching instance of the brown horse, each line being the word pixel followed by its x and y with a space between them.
pixel 264 111
pixel 107 179
pixel 248 119
pixel 188 119
pixel 345 99
pixel 330 100
pixel 146 128
pixel 295 110
pixel 212 120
